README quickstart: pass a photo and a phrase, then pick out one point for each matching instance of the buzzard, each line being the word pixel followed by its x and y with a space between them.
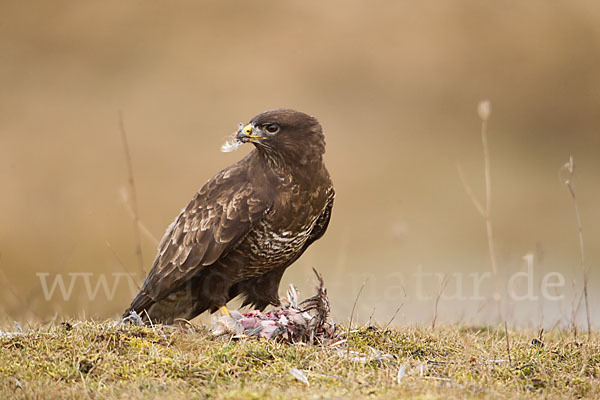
pixel 246 225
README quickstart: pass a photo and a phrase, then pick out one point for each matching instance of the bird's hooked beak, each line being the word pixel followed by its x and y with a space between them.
pixel 249 133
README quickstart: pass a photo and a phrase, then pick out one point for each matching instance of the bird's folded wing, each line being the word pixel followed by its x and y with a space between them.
pixel 219 216
pixel 323 221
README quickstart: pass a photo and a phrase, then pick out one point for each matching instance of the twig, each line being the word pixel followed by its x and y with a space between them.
pixel 353 308
pixel 558 321
pixel 437 301
pixel 484 111
pixel 469 191
pixel 569 166
pixel 507 342
pixel 393 316
pixel 121 263
pixel 354 305
pixel 371 316
pixel 575 307
pixel 437 378
pixel 143 228
pixel 134 205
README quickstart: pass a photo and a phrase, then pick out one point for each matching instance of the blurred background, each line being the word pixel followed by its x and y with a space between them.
pixel 395 85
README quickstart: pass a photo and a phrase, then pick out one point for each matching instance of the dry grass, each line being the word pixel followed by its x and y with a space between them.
pixel 97 360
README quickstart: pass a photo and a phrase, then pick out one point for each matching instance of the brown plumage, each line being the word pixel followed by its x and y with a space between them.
pixel 246 225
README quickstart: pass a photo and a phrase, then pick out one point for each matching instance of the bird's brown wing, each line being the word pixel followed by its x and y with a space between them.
pixel 221 214
pixel 323 221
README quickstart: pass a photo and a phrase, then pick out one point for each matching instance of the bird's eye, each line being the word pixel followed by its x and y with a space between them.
pixel 272 128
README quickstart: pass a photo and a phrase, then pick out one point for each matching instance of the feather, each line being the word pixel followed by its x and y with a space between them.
pixel 296 373
pixel 231 145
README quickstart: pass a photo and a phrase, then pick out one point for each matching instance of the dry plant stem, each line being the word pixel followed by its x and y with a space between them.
pixel 485 212
pixel 507 342
pixel 121 263
pixel 583 265
pixel 134 205
pixel 393 317
pixel 437 301
pixel 575 306
pixel 354 305
pixel 570 166
pixel 352 313
pixel 487 216
pixel 141 225
pixel 488 195
pixel 469 191
pixel 371 316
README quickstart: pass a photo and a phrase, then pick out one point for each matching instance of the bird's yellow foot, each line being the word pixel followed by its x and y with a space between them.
pixel 224 311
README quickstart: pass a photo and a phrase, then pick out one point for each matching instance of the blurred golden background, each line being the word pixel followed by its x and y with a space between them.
pixel 395 85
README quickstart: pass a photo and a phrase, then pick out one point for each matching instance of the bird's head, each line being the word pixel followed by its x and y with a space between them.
pixel 285 133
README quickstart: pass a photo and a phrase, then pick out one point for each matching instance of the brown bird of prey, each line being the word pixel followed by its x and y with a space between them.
pixel 246 225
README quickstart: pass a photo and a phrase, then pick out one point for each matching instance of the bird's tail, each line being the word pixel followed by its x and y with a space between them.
pixel 140 304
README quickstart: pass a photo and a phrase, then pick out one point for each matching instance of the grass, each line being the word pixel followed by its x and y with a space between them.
pixel 97 360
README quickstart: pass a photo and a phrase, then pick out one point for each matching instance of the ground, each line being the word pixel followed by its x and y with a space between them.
pixel 100 360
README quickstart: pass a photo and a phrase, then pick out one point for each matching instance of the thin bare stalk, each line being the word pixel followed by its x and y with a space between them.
pixel 371 316
pixel 575 307
pixel 469 191
pixel 352 313
pixel 397 309
pixel 393 316
pixel 484 111
pixel 507 342
pixel 121 263
pixel 354 305
pixel 570 168
pixel 129 209
pixel 437 301
pixel 134 204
